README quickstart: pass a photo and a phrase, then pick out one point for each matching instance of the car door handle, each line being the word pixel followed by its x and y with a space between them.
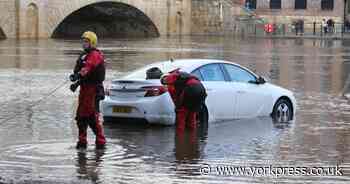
pixel 241 92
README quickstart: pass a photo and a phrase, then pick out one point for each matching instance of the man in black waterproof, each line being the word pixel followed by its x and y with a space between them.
pixel 188 95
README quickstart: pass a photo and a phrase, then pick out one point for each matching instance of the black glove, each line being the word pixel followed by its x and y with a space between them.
pixel 73 87
pixel 74 77
pixel 100 92
pixel 163 80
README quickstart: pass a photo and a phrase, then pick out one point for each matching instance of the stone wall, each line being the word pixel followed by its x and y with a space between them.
pixel 32 18
pixel 39 18
pixel 214 16
pixel 287 13
pixel 58 10
pixel 178 17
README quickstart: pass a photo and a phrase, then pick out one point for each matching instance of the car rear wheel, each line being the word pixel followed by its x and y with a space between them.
pixel 282 111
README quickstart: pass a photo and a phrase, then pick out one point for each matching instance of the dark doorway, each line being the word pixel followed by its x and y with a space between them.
pixel 300 4
pixel 346 17
pixel 107 19
pixel 275 4
pixel 327 4
pixel 346 9
pixel 251 4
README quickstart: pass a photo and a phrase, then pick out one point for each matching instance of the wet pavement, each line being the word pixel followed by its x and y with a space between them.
pixel 38 137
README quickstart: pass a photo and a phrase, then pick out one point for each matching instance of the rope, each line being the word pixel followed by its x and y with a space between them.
pixel 37 102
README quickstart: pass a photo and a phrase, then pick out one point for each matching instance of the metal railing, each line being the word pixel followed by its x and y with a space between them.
pixel 281 29
pixel 252 24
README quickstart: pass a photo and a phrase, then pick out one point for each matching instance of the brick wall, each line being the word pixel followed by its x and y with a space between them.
pixel 288 13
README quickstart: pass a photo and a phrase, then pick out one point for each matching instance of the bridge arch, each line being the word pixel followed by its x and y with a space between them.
pixel 7 25
pixel 106 18
pixel 2 34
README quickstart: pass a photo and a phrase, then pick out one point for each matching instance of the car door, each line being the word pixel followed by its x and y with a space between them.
pixel 251 98
pixel 220 100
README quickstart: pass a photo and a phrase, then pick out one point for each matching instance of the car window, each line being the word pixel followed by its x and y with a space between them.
pixel 238 74
pixel 197 73
pixel 212 72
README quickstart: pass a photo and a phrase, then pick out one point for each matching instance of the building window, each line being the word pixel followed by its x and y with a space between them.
pixel 250 4
pixel 300 4
pixel 275 4
pixel 327 4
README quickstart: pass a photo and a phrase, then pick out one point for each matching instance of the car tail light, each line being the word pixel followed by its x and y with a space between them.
pixel 154 90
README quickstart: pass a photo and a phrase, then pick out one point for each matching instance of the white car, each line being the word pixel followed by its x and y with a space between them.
pixel 234 92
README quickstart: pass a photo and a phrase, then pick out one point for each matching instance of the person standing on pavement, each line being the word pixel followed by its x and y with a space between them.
pixel 89 74
pixel 324 26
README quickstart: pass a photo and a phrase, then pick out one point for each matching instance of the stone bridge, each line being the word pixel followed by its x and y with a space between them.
pixel 113 18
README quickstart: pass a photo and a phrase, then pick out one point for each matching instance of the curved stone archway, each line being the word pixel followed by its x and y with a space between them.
pixel 7 20
pixel 107 19
pixel 2 34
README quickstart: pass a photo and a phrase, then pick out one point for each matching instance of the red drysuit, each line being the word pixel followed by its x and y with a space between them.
pixel 184 115
pixel 91 74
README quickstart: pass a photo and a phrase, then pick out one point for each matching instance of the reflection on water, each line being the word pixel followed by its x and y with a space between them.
pixel 88 168
pixel 37 143
pixel 189 146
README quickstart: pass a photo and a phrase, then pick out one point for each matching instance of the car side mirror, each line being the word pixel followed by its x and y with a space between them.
pixel 261 80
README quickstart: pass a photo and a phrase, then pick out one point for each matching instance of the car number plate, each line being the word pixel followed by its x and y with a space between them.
pixel 121 109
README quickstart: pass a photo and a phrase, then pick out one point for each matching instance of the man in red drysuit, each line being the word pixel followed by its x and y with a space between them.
pixel 188 95
pixel 89 73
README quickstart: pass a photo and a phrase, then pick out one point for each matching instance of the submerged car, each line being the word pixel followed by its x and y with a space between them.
pixel 234 92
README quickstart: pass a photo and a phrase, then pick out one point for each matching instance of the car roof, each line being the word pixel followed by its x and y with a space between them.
pixel 186 65
pixel 189 65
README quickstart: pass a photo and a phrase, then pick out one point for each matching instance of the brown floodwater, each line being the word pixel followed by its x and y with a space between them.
pixel 38 134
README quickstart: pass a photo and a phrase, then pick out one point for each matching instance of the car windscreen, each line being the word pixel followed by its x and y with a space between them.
pixel 165 67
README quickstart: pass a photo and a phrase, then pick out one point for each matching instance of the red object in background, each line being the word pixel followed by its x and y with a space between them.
pixel 269 28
